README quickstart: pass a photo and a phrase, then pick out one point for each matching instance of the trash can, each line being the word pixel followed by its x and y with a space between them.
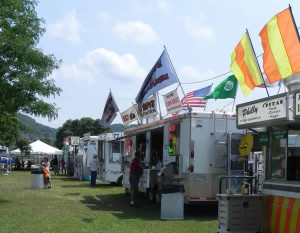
pixel 37 179
pixel 172 202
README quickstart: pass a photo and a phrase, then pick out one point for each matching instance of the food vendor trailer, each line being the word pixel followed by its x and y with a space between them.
pixel 109 153
pixel 189 149
pixel 280 117
pixel 111 149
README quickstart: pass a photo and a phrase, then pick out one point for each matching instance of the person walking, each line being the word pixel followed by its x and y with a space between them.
pixel 94 163
pixel 69 168
pixel 46 161
pixel 136 171
pixel 55 165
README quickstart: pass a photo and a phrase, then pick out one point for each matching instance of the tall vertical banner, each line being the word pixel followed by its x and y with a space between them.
pixel 161 75
pixel 110 111
pixel 172 102
pixel 129 115
pixel 148 108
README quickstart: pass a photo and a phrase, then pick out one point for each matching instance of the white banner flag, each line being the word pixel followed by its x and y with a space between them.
pixel 129 115
pixel 110 111
pixel 148 108
pixel 172 102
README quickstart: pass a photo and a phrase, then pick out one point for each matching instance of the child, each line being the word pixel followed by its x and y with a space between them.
pixel 46 175
pixel 69 168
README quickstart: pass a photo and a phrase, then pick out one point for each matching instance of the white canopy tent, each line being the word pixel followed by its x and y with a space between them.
pixel 38 149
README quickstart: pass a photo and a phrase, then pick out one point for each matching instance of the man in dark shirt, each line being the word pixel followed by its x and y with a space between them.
pixel 55 165
pixel 136 171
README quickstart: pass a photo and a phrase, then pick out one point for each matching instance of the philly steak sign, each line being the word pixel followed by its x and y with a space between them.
pixel 262 112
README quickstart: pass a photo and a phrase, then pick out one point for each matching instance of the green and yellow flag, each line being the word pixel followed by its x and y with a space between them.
pixel 226 89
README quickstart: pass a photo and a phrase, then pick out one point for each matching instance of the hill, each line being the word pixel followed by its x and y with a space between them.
pixel 39 131
pixel 47 134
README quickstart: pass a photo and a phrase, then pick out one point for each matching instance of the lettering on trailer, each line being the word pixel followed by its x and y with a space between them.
pixel 118 135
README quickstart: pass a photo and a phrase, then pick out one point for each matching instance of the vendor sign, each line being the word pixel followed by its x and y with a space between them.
pixel 297 105
pixel 258 113
pixel 75 141
pixel 148 108
pixel 129 115
pixel 172 102
pixel 263 139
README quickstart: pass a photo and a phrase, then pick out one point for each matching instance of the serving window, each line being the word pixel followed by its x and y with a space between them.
pixel 117 148
pixel 284 161
pixel 174 139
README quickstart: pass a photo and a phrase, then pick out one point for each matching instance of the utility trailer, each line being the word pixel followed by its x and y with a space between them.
pixel 191 149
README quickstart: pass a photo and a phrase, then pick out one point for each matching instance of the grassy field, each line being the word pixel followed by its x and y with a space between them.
pixel 73 206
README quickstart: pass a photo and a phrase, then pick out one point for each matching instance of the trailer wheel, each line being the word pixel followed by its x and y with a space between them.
pixel 127 190
pixel 120 181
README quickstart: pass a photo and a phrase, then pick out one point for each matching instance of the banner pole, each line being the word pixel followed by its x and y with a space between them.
pixel 204 96
pixel 262 77
pixel 188 105
pixel 157 97
pixel 234 98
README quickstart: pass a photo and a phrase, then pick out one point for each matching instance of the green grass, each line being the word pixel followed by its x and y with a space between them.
pixel 73 206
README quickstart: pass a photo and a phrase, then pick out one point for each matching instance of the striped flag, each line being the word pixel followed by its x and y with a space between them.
pixel 195 98
pixel 280 42
pixel 245 66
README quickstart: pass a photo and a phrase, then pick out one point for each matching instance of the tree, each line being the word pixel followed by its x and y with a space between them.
pixel 24 68
pixel 79 128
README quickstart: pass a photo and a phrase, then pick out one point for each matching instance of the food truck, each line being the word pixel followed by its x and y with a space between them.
pixel 111 149
pixel 279 116
pixel 109 152
pixel 190 149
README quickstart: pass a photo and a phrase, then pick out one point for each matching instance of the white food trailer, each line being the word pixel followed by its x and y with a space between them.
pixel 191 149
pixel 109 152
pixel 111 148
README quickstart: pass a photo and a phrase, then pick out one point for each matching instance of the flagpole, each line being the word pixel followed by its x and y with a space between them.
pixel 257 62
pixel 157 96
pixel 188 105
pixel 234 98
pixel 136 112
pixel 294 23
pixel 209 93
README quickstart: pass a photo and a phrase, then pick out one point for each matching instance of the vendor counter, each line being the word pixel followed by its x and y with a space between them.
pixel 281 206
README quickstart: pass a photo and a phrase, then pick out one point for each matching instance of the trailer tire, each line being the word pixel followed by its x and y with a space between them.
pixel 120 181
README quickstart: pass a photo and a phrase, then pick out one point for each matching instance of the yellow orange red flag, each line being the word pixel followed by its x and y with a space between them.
pixel 244 65
pixel 280 41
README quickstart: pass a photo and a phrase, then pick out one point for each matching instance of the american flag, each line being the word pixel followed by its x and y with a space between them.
pixel 194 98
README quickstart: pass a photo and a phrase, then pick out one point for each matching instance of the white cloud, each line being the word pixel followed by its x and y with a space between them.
pixel 101 63
pixel 103 16
pixel 68 28
pixel 109 62
pixel 135 31
pixel 198 31
pixel 191 74
pixel 74 72
pixel 164 5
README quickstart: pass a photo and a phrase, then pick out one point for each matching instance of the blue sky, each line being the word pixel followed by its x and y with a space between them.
pixel 113 45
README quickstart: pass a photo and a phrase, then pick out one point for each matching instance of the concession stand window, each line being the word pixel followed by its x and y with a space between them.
pixel 284 159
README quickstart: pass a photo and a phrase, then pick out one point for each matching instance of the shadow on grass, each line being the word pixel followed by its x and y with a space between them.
pixel 119 205
pixel 3 201
pixel 88 220
pixel 71 194
pixel 87 185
